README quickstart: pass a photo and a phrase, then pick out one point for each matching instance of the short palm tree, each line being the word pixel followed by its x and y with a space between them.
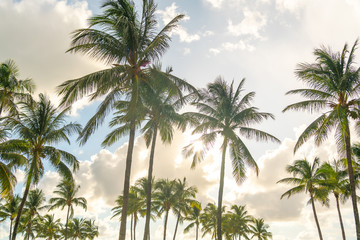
pixel 39 126
pixel 208 220
pixel 239 221
pixel 306 178
pixel 129 42
pixel 9 210
pixel 259 230
pixel 33 205
pixel 48 227
pixel 12 89
pixel 92 230
pixel 193 216
pixel 78 229
pixel 335 181
pixel 222 112
pixel 186 198
pixel 67 190
pixel 165 199
pixel 333 90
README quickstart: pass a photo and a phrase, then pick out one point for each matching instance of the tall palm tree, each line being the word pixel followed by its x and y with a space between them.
pixel 33 205
pixel 129 42
pixel 39 126
pixel 48 227
pixel 335 182
pixel 12 89
pixel 222 112
pixel 161 106
pixel 259 230
pixel 333 90
pixel 10 210
pixel 186 198
pixel 66 192
pixel 165 199
pixel 306 178
pixel 193 215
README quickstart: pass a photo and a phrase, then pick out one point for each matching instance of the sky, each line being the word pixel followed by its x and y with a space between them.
pixel 260 40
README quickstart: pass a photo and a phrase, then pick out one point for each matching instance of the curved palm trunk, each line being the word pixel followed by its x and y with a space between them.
pixel 340 218
pixel 149 187
pixel 165 223
pixel 352 181
pixel 124 211
pixel 17 220
pixel 67 222
pixel 315 216
pixel 176 226
pixel 221 191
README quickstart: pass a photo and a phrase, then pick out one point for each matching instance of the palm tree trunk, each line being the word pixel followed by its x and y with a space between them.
pixel 135 222
pixel 165 223
pixel 176 226
pixel 11 222
pixel 352 181
pixel 131 226
pixel 197 231
pixel 340 218
pixel 315 216
pixel 67 222
pixel 23 200
pixel 124 211
pixel 221 190
pixel 149 187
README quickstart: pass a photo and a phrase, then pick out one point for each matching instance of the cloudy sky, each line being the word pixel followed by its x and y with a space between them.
pixel 260 40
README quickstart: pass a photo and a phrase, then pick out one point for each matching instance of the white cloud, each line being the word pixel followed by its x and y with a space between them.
pixel 168 14
pixel 289 5
pixel 36 34
pixel 215 3
pixel 251 25
pixel 187 51
pixel 230 47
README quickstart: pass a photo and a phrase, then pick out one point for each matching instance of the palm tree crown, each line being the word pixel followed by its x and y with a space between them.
pixel 222 112
pixel 333 89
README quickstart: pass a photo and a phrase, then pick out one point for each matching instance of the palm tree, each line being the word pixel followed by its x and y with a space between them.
pixel 48 227
pixel 66 192
pixel 129 42
pixel 335 182
pixel 39 126
pixel 208 220
pixel 78 228
pixel 239 220
pixel 165 199
pixel 306 178
pixel 12 89
pixel 223 112
pixel 185 198
pixel 193 215
pixel 10 210
pixel 33 205
pixel 9 161
pixel 92 230
pixel 259 230
pixel 161 106
pixel 333 90
pixel 136 204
